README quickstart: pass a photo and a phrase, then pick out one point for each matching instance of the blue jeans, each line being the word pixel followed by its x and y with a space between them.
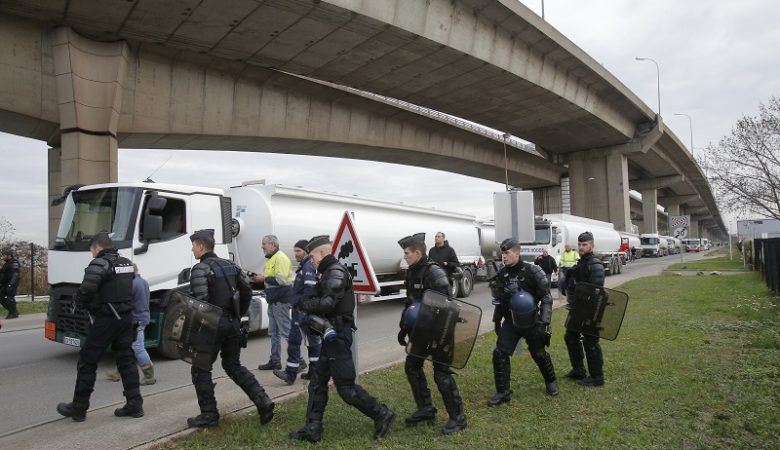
pixel 141 355
pixel 278 327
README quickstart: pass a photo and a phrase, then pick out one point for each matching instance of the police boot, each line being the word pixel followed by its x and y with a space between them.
pixel 452 401
pixel 426 412
pixel 133 408
pixel 205 419
pixel 311 432
pixel 76 410
pixel 501 374
pixel 148 371
pixel 543 360
pixel 595 366
pixel 265 406
pixel 382 422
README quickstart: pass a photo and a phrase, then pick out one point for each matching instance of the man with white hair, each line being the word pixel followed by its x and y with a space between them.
pixel 277 278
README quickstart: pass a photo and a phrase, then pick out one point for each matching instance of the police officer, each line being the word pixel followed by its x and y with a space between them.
pixel 590 270
pixel 9 282
pixel 510 289
pixel 335 302
pixel 304 287
pixel 424 274
pixel 107 293
pixel 215 280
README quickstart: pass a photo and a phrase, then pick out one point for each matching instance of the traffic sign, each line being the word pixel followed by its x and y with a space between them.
pixel 681 232
pixel 679 221
pixel 348 249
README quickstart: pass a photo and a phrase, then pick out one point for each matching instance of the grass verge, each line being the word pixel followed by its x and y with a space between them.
pixel 32 307
pixel 697 365
pixel 718 263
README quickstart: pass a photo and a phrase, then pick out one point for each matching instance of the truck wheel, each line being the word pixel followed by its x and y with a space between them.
pixel 620 265
pixel 466 284
pixel 454 288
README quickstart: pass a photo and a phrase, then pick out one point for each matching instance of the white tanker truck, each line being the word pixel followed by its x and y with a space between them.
pixel 151 223
pixel 554 231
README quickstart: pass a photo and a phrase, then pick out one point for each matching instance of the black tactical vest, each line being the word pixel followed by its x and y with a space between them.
pixel 223 282
pixel 118 285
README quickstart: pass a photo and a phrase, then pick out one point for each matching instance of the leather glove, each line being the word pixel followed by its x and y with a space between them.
pixel 496 291
pixel 545 331
pixel 309 306
pixel 402 338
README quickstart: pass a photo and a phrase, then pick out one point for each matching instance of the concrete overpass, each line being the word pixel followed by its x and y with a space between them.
pixel 493 62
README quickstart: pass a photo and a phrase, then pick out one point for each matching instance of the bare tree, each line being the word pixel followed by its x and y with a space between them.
pixel 744 167
pixel 6 230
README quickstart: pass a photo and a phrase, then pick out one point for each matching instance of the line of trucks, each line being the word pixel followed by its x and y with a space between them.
pixel 150 224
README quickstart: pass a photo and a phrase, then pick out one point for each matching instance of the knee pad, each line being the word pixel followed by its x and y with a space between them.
pixel 571 338
pixel 499 355
pixel 413 365
pixel 442 377
pixel 348 394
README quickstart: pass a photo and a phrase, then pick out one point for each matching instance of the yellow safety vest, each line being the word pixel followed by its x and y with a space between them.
pixel 569 259
pixel 279 267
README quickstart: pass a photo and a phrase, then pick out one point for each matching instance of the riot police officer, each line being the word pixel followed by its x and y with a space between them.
pixel 9 282
pixel 590 270
pixel 424 274
pixel 216 281
pixel 523 310
pixel 107 293
pixel 335 303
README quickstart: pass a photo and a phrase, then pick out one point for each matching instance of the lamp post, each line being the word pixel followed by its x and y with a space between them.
pixel 506 161
pixel 658 73
pixel 690 124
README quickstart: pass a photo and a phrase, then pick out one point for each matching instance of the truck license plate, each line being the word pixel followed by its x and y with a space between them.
pixel 76 342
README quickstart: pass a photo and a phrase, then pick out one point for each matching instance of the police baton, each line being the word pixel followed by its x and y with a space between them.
pixel 116 314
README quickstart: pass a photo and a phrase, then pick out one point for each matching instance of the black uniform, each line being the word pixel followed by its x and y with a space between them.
pixel 107 293
pixel 9 282
pixel 335 302
pixel 509 280
pixel 588 269
pixel 214 280
pixel 421 276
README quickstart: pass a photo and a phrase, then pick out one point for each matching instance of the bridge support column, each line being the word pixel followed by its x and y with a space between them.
pixel 89 77
pixel 599 187
pixel 649 210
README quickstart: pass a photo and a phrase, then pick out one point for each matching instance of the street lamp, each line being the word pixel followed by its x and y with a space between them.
pixel 690 124
pixel 658 73
pixel 506 136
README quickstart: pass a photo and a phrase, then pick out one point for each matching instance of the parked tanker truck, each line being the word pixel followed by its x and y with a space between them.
pixel 554 231
pixel 150 224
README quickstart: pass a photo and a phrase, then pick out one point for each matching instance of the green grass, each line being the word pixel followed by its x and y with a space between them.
pixel 717 263
pixel 32 307
pixel 697 365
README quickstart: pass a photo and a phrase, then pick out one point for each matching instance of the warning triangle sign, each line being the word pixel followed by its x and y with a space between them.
pixel 348 249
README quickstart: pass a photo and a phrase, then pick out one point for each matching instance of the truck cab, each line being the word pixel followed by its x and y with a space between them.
pixel 652 245
pixel 150 224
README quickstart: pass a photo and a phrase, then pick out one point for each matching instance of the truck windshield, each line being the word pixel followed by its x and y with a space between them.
pixel 86 213
pixel 649 241
pixel 542 235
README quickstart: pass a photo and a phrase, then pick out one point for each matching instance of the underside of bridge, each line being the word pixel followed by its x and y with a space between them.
pixel 126 73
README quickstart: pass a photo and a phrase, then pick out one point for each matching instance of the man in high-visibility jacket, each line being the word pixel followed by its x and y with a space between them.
pixel 569 259
pixel 277 278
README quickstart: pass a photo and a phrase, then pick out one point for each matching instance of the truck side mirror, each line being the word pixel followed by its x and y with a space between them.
pixel 152 224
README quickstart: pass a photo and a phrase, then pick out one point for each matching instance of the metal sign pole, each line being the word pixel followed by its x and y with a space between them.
pixel 355 332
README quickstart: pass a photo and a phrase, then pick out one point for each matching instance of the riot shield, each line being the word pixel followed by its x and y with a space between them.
pixel 192 324
pixel 597 311
pixel 445 330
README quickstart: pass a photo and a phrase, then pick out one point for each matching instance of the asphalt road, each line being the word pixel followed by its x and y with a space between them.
pixel 36 374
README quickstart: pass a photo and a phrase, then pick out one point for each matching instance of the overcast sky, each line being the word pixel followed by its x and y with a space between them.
pixel 718 61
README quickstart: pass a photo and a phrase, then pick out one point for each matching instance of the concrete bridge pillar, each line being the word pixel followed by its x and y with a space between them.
pixel 649 210
pixel 89 78
pixel 599 187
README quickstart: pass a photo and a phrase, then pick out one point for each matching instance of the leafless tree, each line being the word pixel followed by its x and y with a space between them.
pixel 744 167
pixel 6 230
